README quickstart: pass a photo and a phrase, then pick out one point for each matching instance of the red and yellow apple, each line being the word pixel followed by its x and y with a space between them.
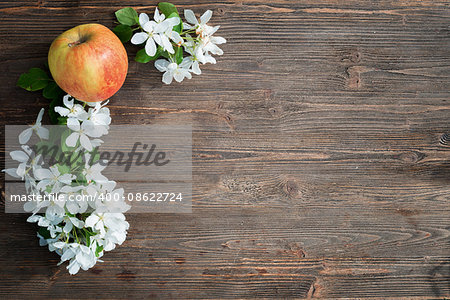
pixel 88 62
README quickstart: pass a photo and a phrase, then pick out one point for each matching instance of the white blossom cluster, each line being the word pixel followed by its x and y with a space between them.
pixel 197 39
pixel 79 228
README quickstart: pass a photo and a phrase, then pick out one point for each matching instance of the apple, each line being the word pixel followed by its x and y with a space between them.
pixel 88 62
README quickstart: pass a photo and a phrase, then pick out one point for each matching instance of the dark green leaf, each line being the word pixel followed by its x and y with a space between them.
pixel 178 27
pixel 52 91
pixel 123 32
pixel 179 54
pixel 167 8
pixel 127 16
pixel 51 111
pixel 62 120
pixel 143 57
pixel 44 232
pixel 35 79
pixel 165 54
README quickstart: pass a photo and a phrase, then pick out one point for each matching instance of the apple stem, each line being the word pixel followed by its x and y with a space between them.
pixel 74 44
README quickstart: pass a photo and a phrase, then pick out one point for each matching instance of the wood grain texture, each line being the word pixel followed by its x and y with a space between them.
pixel 319 163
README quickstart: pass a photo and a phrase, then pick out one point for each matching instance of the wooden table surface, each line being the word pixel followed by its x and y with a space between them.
pixel 320 162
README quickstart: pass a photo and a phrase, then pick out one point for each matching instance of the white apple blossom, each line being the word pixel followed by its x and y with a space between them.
pixel 174 71
pixel 71 197
pixel 28 161
pixel 82 133
pixel 201 28
pixel 71 110
pixel 92 172
pixel 37 204
pixel 71 222
pixel 100 117
pixel 41 132
pixel 52 178
pixel 80 256
pixel 111 202
pixel 111 221
pixel 209 44
pixel 156 32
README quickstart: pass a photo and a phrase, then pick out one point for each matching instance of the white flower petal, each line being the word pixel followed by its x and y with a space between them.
pixel 162 27
pixel 173 21
pixel 186 63
pixel 161 65
pixel 73 124
pixel 167 77
pixel 39 117
pixel 43 133
pixel 150 47
pixel 218 40
pixel 91 221
pixel 175 36
pixel 186 74
pixel 19 156
pixel 190 16
pixel 157 16
pixel 72 207
pixel 149 26
pixel 66 178
pixel 42 174
pixel 187 26
pixel 196 68
pixel 85 142
pixel 178 76
pixel 157 39
pixel 68 101
pixel 211 30
pixel 206 17
pixel 139 38
pixel 68 254
pixel 21 169
pixel 11 172
pixel 25 135
pixel 167 45
pixel 67 228
pixel 143 18
pixel 72 139
pixel 62 110
pixel 73 267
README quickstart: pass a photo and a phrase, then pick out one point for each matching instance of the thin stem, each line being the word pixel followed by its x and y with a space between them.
pixel 76 236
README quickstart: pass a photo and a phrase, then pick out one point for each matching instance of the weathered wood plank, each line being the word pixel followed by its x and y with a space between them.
pixel 318 167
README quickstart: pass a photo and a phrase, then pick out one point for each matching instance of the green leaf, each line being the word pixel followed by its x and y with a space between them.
pixel 179 54
pixel 63 169
pixel 178 27
pixel 44 232
pixel 35 79
pixel 62 121
pixel 98 250
pixel 51 111
pixel 167 8
pixel 95 155
pixel 127 16
pixel 52 90
pixel 165 54
pixel 123 32
pixel 143 57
